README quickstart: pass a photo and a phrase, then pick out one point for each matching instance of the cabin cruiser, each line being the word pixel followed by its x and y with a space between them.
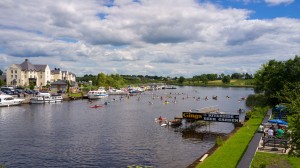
pixel 42 98
pixel 117 92
pixel 7 100
pixel 57 98
pixel 97 94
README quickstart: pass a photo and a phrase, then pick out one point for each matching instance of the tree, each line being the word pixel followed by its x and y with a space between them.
pixel 1 72
pixel 226 79
pixel 204 80
pixel 31 85
pixel 1 83
pixel 181 80
pixel 68 86
pixel 212 77
pixel 101 79
pixel 280 83
pixel 248 76
pixel 274 75
pixel 237 76
pixel 221 76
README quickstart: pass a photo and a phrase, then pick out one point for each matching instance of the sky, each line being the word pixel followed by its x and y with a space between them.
pixel 149 37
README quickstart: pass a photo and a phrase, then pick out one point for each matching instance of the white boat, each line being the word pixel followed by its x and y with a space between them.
pixel 57 98
pixel 117 92
pixel 42 98
pixel 97 94
pixel 7 100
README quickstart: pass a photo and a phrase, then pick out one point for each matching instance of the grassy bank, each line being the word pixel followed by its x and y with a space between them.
pixel 233 83
pixel 263 159
pixel 229 154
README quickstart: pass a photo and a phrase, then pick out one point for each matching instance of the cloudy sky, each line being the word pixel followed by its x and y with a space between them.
pixel 149 37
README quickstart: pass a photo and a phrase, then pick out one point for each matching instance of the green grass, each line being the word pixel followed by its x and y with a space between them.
pixel 262 159
pixel 75 95
pixel 233 82
pixel 229 154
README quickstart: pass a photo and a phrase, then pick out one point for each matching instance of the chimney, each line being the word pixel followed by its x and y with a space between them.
pixel 26 59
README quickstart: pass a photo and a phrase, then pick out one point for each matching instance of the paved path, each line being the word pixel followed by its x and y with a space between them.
pixel 246 160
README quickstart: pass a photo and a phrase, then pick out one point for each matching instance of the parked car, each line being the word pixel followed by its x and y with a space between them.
pixel 31 91
pixel 7 92
pixel 35 92
pixel 19 91
pixel 61 91
pixel 28 91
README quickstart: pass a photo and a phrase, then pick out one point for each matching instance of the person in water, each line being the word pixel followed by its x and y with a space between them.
pixel 160 118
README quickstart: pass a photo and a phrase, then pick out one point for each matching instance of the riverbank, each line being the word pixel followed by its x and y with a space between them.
pixel 229 154
pixel 213 149
pixel 218 83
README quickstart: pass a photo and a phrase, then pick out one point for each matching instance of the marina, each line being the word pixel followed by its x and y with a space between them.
pixel 120 133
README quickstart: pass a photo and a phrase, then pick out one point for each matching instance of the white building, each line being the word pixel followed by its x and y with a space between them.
pixel 57 74
pixel 39 75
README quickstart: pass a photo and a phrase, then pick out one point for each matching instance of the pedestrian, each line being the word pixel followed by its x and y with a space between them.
pixel 279 133
pixel 270 132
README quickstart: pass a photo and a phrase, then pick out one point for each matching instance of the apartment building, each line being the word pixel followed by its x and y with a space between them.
pixel 38 74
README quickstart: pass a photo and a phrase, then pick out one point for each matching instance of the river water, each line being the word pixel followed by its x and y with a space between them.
pixel 120 134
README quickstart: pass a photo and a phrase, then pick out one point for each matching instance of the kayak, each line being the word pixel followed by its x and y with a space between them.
pixel 159 120
pixel 96 106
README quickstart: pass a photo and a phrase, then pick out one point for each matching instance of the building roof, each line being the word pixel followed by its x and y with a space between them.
pixel 40 67
pixel 55 71
pixel 28 66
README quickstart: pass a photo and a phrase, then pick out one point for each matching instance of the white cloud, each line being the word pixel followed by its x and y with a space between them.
pixel 279 2
pixel 159 37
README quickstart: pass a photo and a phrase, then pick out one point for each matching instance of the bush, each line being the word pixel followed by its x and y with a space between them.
pixel 219 141
pixel 256 100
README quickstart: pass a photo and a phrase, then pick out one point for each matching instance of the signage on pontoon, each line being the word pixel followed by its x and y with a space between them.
pixel 211 117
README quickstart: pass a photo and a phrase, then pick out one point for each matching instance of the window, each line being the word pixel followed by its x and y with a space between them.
pixel 12 76
pixel 15 71
pixel 16 76
pixel 41 76
pixel 12 71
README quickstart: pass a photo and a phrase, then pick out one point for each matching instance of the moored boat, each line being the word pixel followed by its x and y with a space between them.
pixel 117 92
pixel 42 98
pixel 97 94
pixel 57 98
pixel 7 100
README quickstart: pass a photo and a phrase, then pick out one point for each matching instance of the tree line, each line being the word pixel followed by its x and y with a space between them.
pixel 279 82
pixel 117 80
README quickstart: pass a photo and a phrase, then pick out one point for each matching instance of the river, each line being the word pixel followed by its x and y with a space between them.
pixel 120 134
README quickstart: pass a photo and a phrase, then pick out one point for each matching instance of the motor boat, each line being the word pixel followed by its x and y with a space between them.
pixel 7 100
pixel 97 94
